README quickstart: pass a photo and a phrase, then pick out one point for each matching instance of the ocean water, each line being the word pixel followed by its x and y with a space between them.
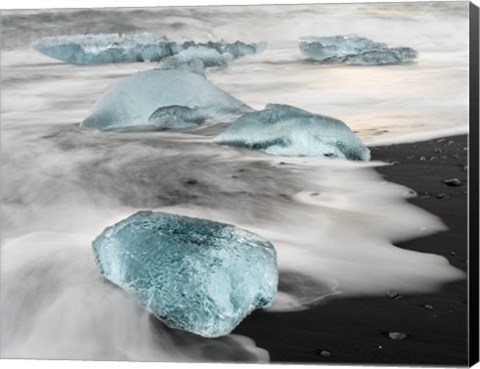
pixel 334 223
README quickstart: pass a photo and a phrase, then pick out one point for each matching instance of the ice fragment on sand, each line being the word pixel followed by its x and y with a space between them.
pixel 193 274
pixel 134 100
pixel 106 48
pixel 115 48
pixel 354 50
pixel 288 131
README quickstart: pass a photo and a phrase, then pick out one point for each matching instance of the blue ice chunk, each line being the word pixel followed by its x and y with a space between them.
pixel 353 50
pixel 115 48
pixel 193 274
pixel 131 102
pixel 288 131
pixel 106 48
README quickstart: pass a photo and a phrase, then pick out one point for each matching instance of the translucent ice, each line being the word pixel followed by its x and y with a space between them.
pixel 193 274
pixel 133 101
pixel 115 48
pixel 106 48
pixel 288 131
pixel 353 50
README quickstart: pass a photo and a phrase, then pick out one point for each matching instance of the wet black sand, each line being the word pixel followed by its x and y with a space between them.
pixel 356 330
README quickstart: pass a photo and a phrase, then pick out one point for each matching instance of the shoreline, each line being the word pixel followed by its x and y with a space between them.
pixel 355 330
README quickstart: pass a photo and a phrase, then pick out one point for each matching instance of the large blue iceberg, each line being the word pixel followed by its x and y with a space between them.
pixel 135 102
pixel 354 50
pixel 115 48
pixel 106 48
pixel 193 274
pixel 288 131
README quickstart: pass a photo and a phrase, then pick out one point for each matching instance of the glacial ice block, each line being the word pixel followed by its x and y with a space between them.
pixel 354 50
pixel 288 131
pixel 193 274
pixel 132 102
pixel 106 48
pixel 115 48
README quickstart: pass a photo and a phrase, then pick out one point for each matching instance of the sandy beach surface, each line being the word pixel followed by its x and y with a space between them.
pixel 356 330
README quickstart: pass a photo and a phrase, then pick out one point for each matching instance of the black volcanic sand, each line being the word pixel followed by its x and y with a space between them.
pixel 355 330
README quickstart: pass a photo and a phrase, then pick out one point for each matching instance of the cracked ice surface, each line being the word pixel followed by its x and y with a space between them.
pixel 193 274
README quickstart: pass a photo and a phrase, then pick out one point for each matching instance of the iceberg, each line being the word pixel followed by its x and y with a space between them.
pixel 354 50
pixel 115 48
pixel 106 48
pixel 288 131
pixel 196 275
pixel 135 101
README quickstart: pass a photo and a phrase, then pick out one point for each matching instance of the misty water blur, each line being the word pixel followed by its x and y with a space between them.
pixel 333 223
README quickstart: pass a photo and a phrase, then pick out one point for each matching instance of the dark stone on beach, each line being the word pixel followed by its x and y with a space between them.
pixel 444 196
pixel 392 294
pixel 191 182
pixel 397 336
pixel 323 353
pixel 314 194
pixel 453 182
